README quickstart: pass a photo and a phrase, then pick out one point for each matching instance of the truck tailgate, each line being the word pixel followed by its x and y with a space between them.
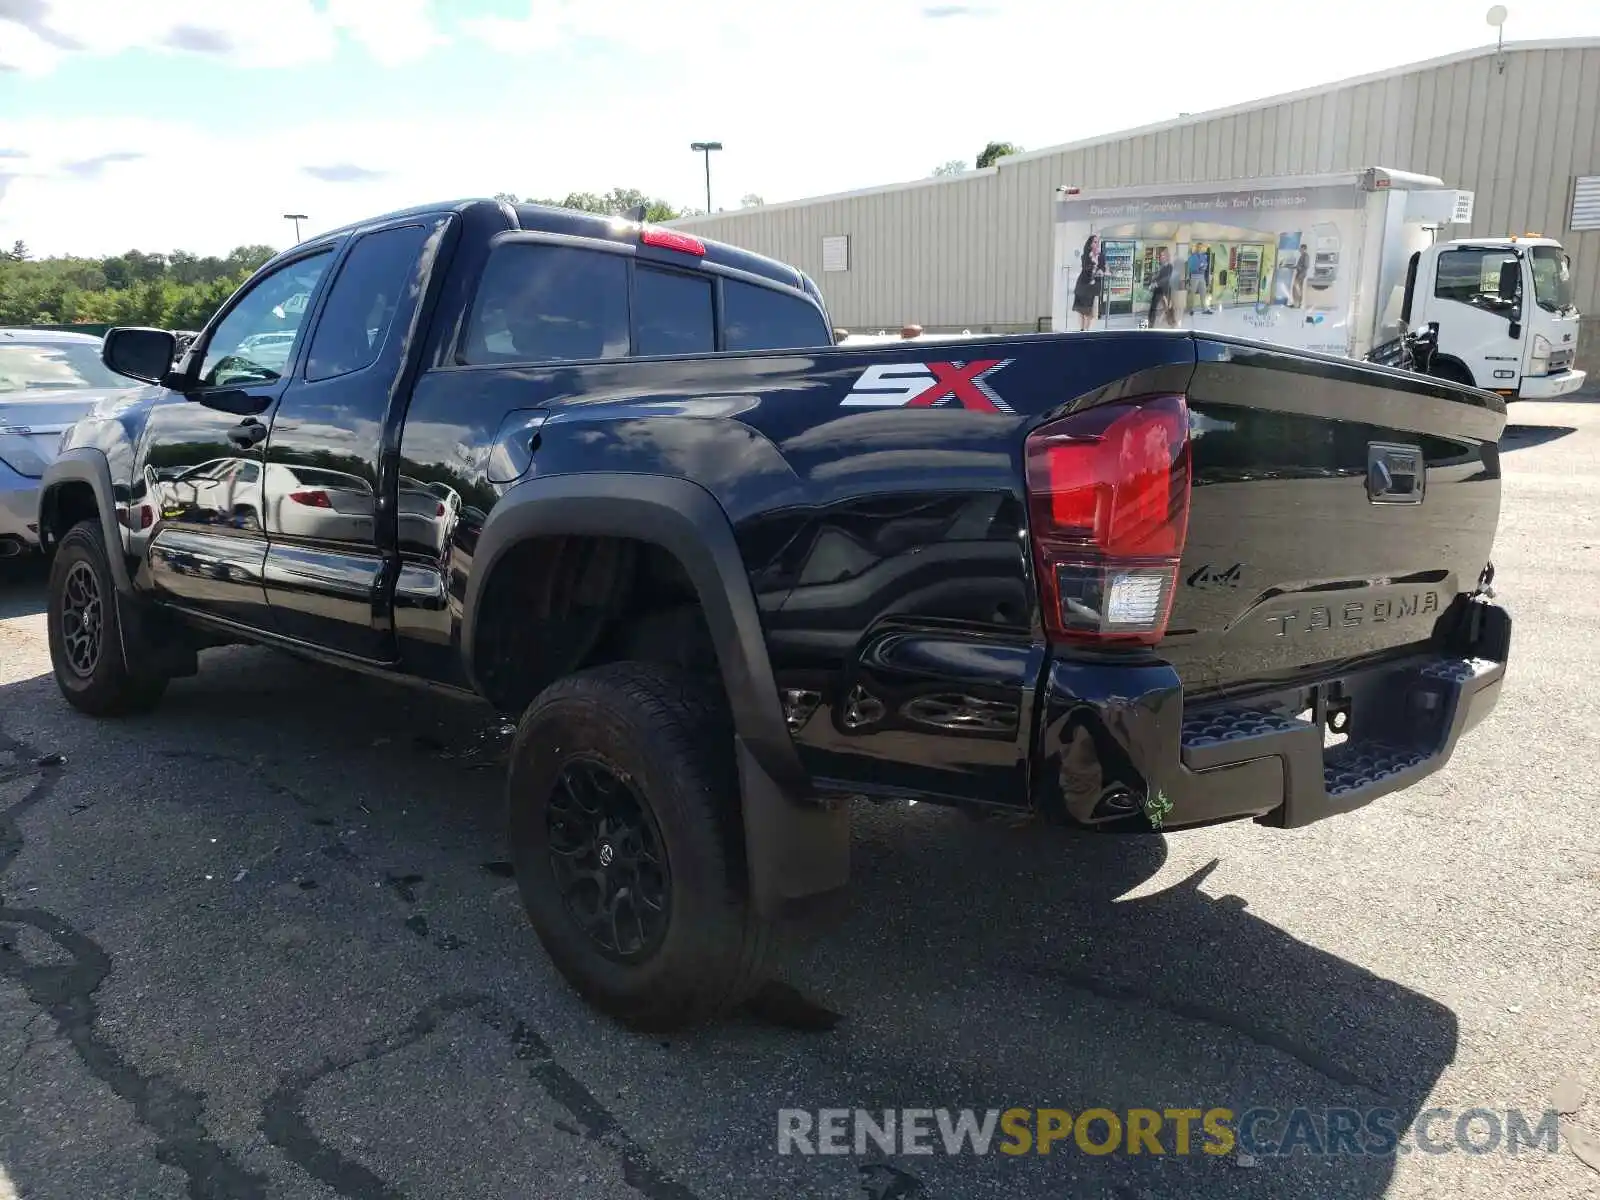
pixel 1337 513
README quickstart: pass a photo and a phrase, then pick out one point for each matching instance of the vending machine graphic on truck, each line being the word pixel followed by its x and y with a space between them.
pixel 1325 259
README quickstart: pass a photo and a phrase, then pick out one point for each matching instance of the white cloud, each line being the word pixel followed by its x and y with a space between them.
pixel 808 96
pixel 337 171
pixel 36 36
pixel 773 35
pixel 394 32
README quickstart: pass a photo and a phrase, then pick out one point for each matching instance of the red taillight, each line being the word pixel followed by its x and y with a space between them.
pixel 1108 503
pixel 315 498
pixel 439 512
pixel 671 239
pixel 141 520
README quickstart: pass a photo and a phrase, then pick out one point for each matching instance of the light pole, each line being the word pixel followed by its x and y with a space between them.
pixel 706 148
pixel 296 218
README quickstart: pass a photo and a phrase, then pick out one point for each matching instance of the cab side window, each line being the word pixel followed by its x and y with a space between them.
pixel 363 300
pixel 1473 277
pixel 542 303
pixel 759 318
pixel 255 342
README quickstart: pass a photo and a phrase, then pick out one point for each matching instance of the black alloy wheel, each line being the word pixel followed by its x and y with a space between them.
pixel 608 860
pixel 82 619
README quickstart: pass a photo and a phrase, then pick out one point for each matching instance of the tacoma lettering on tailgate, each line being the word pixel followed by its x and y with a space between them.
pixel 1353 614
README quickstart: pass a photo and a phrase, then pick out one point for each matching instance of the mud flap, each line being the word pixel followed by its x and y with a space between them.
pixel 154 644
pixel 798 853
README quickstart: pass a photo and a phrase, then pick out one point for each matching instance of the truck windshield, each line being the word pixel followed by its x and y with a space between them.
pixel 1552 278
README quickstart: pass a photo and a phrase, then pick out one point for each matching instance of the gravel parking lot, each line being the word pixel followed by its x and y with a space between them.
pixel 262 943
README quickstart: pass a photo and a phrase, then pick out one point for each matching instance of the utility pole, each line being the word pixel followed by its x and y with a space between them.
pixel 296 218
pixel 706 148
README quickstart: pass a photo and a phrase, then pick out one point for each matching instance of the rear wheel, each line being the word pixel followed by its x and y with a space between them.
pixel 625 830
pixel 85 632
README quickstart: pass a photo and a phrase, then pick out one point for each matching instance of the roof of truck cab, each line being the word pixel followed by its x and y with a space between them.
pixel 1504 243
pixel 571 222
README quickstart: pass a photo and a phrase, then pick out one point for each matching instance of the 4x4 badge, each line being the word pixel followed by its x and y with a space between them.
pixel 1209 577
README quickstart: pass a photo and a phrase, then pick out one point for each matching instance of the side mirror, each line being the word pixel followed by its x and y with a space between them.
pixel 1510 282
pixel 142 354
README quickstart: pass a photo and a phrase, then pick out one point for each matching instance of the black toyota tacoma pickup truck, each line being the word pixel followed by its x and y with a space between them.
pixel 618 481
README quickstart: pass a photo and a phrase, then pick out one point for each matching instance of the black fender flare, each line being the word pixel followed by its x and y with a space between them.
pixel 796 848
pixel 86 464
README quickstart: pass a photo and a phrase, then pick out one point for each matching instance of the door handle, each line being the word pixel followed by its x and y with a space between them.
pixel 247 433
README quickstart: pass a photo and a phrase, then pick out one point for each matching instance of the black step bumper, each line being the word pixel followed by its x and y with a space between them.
pixel 1120 747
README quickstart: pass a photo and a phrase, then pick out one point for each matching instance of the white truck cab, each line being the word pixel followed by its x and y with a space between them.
pixel 1507 321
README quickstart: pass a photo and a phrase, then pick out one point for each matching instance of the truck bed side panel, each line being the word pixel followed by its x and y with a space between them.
pixel 884 542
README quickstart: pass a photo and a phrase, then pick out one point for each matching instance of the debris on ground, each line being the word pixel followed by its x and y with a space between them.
pixel 780 1004
pixel 1583 1144
pixel 1567 1096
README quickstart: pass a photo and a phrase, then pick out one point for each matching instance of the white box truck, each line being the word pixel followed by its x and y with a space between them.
pixel 1338 263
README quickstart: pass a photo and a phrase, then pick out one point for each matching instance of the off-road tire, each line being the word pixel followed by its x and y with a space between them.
pixel 81 582
pixel 670 737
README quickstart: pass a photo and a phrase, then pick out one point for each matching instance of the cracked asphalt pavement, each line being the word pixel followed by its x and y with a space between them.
pixel 264 943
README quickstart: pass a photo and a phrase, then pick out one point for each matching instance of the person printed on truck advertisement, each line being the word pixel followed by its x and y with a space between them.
pixel 1161 291
pixel 1198 274
pixel 1302 268
pixel 1091 278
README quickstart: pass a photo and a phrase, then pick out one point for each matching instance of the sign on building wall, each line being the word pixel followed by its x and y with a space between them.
pixel 1585 203
pixel 836 253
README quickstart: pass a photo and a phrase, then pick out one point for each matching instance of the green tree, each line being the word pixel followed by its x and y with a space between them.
pixel 19 251
pixel 247 259
pixel 181 290
pixel 995 151
pixel 614 203
pixel 954 167
pixel 751 200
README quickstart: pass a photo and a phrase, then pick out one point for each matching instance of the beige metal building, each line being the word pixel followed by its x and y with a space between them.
pixel 1520 128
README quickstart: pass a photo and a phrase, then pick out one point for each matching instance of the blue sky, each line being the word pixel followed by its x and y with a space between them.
pixel 195 124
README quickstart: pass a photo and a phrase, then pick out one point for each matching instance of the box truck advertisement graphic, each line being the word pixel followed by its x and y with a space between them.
pixel 1259 263
pixel 1343 264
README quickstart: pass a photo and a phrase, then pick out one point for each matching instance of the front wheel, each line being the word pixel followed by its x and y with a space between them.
pixel 85 632
pixel 625 831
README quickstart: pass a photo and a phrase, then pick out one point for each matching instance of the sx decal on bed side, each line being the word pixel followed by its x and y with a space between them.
pixel 927 385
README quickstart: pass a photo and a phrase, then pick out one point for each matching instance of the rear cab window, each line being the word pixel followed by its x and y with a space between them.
pixel 674 312
pixel 551 302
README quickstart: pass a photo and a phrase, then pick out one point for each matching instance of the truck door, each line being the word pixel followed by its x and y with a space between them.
pixel 1479 330
pixel 200 460
pixel 331 523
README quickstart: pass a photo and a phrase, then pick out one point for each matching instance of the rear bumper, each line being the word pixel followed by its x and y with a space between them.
pixel 1118 740
pixel 1548 387
pixel 19 506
